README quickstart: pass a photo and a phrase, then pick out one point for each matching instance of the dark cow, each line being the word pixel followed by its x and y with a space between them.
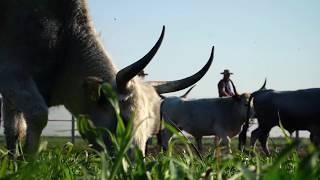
pixel 50 55
pixel 297 110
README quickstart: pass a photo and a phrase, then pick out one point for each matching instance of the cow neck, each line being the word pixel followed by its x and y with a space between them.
pixel 83 56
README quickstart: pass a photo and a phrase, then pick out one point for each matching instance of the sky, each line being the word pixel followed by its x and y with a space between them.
pixel 277 40
pixel 274 39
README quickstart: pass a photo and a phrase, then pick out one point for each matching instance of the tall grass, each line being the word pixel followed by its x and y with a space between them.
pixel 70 162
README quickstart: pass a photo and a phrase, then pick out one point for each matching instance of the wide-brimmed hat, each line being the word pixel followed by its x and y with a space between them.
pixel 226 71
pixel 141 73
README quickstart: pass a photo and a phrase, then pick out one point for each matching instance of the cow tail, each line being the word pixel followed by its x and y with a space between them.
pixel 245 126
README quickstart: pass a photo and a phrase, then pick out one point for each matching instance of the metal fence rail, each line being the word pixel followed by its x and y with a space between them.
pixel 73 128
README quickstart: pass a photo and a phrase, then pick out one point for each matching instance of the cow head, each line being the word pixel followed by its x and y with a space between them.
pixel 139 101
pixel 244 101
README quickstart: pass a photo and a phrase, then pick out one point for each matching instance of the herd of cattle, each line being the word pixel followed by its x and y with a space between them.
pixel 50 55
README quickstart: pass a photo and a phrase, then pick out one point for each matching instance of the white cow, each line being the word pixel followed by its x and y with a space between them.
pixel 222 117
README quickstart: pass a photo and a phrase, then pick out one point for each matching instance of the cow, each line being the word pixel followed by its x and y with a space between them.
pixel 157 131
pixel 50 55
pixel 296 110
pixel 222 117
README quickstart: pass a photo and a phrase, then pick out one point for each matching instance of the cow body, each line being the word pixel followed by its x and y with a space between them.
pixel 50 55
pixel 297 110
pixel 48 49
pixel 221 117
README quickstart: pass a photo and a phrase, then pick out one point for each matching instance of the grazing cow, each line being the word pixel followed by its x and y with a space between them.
pixel 222 117
pixel 50 55
pixel 157 131
pixel 297 110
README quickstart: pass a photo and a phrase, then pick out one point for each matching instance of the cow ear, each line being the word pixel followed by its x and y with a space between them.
pixel 92 87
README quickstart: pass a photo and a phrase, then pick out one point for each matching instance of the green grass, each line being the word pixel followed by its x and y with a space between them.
pixel 63 160
pixel 60 159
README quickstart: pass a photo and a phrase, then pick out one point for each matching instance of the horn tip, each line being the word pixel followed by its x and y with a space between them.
pixel 162 33
pixel 212 51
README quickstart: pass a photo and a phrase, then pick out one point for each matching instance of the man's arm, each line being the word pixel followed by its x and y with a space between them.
pixel 231 87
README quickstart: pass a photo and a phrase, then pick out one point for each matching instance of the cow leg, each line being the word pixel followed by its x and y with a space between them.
pixel 254 136
pixel 159 139
pixel 216 141
pixel 199 143
pixel 225 142
pixel 264 142
pixel 21 126
pixel 149 142
pixel 297 135
pixel 262 135
pixel 23 96
pixel 10 130
pixel 311 137
pixel 165 138
pixel 140 142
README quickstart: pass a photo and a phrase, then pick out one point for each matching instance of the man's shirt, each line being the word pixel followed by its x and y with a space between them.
pixel 226 86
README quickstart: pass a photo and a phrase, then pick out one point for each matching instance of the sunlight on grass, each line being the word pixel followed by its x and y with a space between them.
pixel 82 162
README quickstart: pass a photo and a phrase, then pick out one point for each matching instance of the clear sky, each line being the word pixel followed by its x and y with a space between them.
pixel 276 39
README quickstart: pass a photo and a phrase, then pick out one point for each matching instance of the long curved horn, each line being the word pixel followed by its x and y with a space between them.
pixel 172 86
pixel 186 94
pixel 234 88
pixel 264 84
pixel 127 73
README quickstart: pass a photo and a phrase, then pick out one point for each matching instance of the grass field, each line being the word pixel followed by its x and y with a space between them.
pixel 60 159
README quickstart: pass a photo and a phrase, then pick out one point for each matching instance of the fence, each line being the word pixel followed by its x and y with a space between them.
pixel 73 128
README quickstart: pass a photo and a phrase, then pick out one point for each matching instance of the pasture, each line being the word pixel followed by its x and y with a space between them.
pixel 60 159
pixel 52 54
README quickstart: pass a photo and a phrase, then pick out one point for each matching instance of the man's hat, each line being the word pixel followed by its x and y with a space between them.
pixel 226 71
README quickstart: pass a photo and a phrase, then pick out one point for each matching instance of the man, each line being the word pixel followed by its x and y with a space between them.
pixel 224 85
pixel 142 74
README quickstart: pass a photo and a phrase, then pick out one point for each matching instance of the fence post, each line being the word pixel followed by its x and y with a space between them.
pixel 297 135
pixel 72 129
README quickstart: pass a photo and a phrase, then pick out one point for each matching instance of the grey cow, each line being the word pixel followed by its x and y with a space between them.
pixel 50 55
pixel 297 110
pixel 222 117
